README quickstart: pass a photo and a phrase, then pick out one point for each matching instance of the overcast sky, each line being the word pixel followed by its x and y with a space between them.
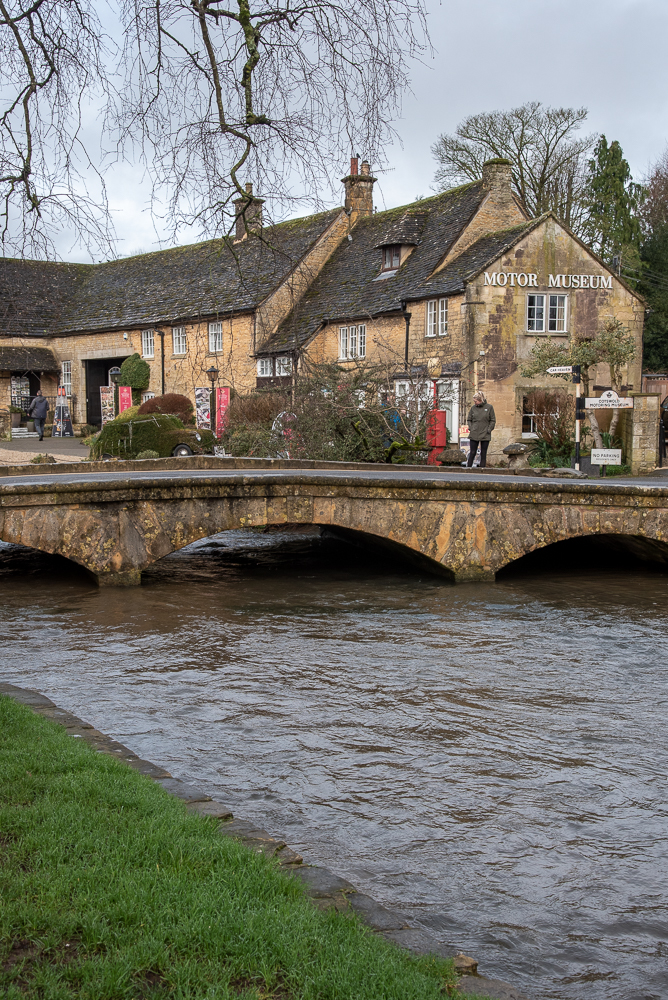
pixel 608 55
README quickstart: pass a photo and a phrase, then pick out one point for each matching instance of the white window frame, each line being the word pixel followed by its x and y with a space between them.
pixel 179 340
pixel 265 367
pixel 147 395
pixel 147 344
pixel 361 340
pixel 442 317
pixel 283 366
pixel 215 338
pixel 560 322
pixel 536 322
pixel 343 343
pixel 66 377
pixel 430 330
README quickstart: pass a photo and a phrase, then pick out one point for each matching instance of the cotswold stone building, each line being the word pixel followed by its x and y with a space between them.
pixel 462 284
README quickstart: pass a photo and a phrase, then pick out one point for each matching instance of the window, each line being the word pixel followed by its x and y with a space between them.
pixel 391 258
pixel 442 317
pixel 437 317
pixel 265 367
pixel 352 342
pixel 179 340
pixel 66 378
pixel 283 366
pixel 147 349
pixel 215 337
pixel 536 313
pixel 147 395
pixel 556 320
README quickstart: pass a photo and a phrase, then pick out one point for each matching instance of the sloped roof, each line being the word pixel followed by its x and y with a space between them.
pixel 28 359
pixel 349 285
pixel 217 276
pixel 485 250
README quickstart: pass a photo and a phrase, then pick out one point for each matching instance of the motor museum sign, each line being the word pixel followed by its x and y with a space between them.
pixel 526 279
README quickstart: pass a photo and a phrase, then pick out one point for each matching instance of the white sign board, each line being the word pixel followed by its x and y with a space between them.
pixel 609 401
pixel 606 456
pixel 560 370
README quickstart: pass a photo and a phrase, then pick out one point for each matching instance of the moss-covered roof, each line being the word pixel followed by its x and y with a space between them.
pixel 203 279
pixel 350 285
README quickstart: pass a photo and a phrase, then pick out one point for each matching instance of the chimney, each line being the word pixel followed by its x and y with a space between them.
pixel 359 190
pixel 497 176
pixel 248 212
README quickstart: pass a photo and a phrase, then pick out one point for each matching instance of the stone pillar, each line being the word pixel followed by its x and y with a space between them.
pixel 359 191
pixel 640 432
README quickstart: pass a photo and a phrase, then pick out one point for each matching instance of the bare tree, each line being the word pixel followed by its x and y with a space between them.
pixel 547 157
pixel 268 91
pixel 51 63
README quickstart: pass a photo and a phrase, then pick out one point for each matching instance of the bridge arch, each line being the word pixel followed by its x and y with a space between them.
pixel 594 550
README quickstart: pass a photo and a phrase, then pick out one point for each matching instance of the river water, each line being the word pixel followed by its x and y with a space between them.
pixel 491 759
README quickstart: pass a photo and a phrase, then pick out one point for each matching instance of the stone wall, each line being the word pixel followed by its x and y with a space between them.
pixel 639 431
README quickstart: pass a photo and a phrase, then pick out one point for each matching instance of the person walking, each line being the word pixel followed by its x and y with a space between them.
pixel 38 411
pixel 481 421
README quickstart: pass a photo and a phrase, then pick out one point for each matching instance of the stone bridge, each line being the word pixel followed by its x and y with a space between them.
pixel 467 527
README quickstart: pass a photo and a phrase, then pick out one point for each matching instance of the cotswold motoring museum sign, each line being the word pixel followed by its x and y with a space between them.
pixel 527 280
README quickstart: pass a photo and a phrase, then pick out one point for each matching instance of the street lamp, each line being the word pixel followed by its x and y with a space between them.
pixel 213 375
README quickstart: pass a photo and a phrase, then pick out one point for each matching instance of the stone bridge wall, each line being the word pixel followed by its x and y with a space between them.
pixel 467 531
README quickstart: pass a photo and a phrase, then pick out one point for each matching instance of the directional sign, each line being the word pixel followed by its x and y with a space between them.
pixel 560 370
pixel 606 456
pixel 609 401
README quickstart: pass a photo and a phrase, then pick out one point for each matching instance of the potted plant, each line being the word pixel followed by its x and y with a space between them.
pixel 16 414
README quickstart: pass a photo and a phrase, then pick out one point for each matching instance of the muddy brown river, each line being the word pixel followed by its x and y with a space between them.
pixel 491 759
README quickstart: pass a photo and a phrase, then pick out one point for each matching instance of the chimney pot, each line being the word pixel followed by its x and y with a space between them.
pixel 366 169
pixel 353 166
pixel 249 188
pixel 248 214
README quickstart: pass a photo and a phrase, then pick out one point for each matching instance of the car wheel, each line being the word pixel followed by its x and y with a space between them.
pixel 182 451
pixel 106 457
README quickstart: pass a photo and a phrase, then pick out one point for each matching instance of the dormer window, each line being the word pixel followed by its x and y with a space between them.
pixel 391 257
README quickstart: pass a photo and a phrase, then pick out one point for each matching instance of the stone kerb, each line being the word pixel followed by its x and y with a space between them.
pixel 116 529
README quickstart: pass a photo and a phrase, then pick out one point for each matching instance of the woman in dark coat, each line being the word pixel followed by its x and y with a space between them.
pixel 481 421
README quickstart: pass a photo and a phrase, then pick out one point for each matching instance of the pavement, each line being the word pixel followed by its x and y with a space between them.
pixel 19 451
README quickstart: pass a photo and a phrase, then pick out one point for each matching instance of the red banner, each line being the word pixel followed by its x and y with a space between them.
pixel 124 398
pixel 222 405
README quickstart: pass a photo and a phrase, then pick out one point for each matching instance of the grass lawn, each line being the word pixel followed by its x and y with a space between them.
pixel 110 889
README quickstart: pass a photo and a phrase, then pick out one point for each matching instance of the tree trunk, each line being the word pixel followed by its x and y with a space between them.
pixel 593 423
pixel 613 424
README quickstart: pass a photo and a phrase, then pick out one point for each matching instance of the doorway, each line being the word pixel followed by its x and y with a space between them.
pixel 97 374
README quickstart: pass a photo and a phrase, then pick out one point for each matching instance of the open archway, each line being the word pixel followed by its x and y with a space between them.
pixel 605 552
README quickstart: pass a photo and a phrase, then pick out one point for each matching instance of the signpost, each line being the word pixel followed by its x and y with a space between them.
pixel 606 456
pixel 609 400
pixel 573 370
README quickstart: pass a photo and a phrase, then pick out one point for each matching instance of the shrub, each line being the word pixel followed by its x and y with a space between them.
pixel 555 425
pixel 148 454
pixel 136 373
pixel 171 402
pixel 129 414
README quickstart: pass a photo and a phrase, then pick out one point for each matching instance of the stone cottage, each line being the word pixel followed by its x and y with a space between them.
pixel 456 288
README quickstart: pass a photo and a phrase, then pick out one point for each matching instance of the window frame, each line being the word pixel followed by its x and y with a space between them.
pixel 391 251
pixel 343 343
pixel 431 318
pixel 148 344
pixel 179 332
pixel 352 341
pixel 529 320
pixel 280 363
pixel 564 319
pixel 66 382
pixel 261 362
pixel 215 331
pixel 443 317
pixel 148 394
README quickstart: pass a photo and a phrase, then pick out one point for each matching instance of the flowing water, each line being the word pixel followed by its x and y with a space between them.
pixel 489 758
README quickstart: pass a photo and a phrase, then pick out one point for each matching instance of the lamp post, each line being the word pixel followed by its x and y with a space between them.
pixel 212 375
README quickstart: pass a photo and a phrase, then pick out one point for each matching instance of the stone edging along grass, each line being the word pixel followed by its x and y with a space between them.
pixel 327 891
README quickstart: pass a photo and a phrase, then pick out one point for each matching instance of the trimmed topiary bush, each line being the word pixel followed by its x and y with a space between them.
pixel 148 454
pixel 129 414
pixel 136 373
pixel 171 402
